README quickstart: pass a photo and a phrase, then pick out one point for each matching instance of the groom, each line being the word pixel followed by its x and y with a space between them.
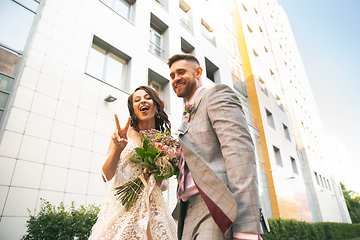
pixel 218 198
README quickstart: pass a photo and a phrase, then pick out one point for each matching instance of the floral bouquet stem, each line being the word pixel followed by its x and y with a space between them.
pixel 128 193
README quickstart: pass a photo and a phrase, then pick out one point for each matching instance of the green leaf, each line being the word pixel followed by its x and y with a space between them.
pixel 153 149
pixel 151 160
pixel 147 160
pixel 135 160
pixel 151 154
pixel 159 178
pixel 145 144
pixel 140 152
pixel 149 165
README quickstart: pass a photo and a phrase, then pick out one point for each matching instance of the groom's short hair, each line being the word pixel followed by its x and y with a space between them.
pixel 184 56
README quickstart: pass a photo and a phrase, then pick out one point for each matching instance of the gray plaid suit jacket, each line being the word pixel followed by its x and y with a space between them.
pixel 219 153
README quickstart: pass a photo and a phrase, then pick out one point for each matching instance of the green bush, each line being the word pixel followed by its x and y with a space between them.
pixel 296 230
pixel 60 222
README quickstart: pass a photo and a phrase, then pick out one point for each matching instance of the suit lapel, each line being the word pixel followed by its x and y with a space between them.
pixel 217 196
pixel 197 103
pixel 185 124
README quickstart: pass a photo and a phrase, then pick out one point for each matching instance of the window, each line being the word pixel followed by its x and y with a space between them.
pixel 279 103
pixel 163 3
pixel 263 86
pixel 303 127
pixel 322 184
pixel 317 178
pixel 15 32
pixel 236 77
pixel 249 29
pixel 246 109
pixel 211 71
pixel 259 153
pixel 160 85
pixel 107 64
pixel 9 61
pixel 157 30
pixel 278 156
pixel 122 7
pixel 272 75
pixel 286 132
pixel 293 164
pixel 325 183
pixel 207 32
pixel 18 28
pixel 245 9
pixel 184 12
pixel 186 47
pixel 156 86
pixel 232 46
pixel 5 87
pixel 270 119
pixel 329 184
pixel 156 42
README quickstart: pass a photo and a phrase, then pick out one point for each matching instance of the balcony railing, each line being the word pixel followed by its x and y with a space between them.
pixel 184 23
pixel 251 120
pixel 238 85
pixel 156 49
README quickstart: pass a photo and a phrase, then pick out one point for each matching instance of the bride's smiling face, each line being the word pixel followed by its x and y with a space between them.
pixel 144 107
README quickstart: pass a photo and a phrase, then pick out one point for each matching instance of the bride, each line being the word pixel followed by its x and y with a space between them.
pixel 149 217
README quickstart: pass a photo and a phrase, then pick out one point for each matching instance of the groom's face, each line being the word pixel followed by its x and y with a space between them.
pixel 185 77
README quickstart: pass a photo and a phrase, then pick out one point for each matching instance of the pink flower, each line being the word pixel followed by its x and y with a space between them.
pixel 189 106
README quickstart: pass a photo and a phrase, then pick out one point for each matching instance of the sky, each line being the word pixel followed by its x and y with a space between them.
pixel 327 33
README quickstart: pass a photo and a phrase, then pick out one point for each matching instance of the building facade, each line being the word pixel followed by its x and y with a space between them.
pixel 63 62
pixel 302 186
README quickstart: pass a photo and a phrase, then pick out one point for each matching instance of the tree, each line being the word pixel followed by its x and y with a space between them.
pixel 352 200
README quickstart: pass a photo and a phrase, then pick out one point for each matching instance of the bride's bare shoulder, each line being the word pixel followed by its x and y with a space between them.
pixel 134 135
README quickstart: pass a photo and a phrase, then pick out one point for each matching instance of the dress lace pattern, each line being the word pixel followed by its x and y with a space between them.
pixel 150 209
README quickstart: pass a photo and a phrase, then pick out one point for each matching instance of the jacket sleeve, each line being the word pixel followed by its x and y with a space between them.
pixel 230 126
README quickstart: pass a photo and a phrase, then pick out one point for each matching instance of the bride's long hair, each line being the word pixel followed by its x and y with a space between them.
pixel 161 118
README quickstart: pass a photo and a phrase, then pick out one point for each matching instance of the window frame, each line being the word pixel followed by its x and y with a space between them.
pixel 294 165
pixel 287 132
pixel 153 46
pixel 207 32
pixel 112 7
pixel 109 50
pixel 278 158
pixel 270 119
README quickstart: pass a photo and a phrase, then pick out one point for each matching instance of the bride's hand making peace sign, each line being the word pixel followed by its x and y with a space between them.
pixel 119 136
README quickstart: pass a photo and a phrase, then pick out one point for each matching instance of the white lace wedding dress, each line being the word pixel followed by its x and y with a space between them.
pixel 114 222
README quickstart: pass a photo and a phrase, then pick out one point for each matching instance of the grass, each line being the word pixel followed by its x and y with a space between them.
pixel 358 238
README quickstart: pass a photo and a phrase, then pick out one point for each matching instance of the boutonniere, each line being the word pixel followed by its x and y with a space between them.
pixel 189 110
pixel 189 107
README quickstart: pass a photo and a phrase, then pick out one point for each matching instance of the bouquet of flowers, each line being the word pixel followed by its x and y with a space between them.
pixel 158 155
